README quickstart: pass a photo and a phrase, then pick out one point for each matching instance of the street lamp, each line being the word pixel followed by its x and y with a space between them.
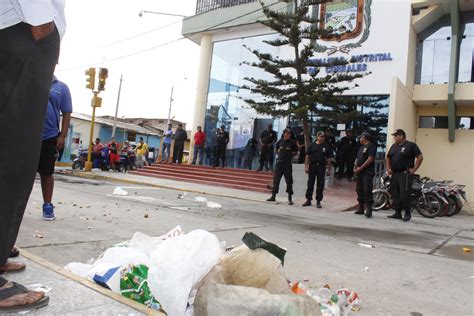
pixel 140 14
pixel 171 100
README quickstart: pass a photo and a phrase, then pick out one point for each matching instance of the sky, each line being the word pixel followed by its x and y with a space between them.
pixel 104 33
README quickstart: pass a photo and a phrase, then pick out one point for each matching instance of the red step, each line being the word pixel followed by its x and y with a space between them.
pixel 206 169
pixel 215 182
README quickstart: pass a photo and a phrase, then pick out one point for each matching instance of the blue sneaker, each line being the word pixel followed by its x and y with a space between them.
pixel 48 212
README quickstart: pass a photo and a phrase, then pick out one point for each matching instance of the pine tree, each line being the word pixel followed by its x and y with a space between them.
pixel 298 87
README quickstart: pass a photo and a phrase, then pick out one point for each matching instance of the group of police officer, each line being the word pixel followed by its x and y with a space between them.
pixel 403 160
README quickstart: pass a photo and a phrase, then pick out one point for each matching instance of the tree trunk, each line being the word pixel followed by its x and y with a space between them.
pixel 307 132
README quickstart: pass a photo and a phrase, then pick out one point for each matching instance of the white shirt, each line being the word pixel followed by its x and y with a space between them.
pixel 33 12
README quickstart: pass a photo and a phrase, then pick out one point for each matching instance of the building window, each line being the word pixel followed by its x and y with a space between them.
pixel 441 122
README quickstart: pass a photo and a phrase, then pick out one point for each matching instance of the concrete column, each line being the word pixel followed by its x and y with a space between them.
pixel 456 36
pixel 202 88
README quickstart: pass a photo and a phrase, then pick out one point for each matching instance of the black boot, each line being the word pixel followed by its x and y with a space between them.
pixel 360 210
pixel 407 216
pixel 368 213
pixel 318 204
pixel 307 203
pixel 290 200
pixel 272 198
pixel 396 215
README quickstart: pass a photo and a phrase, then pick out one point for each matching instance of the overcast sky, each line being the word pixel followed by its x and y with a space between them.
pixel 98 32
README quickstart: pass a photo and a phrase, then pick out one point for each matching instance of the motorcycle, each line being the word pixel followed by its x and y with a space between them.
pixel 97 162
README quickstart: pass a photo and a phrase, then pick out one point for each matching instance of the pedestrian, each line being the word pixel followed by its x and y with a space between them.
pixel 316 162
pixel 114 157
pixel 142 153
pixel 364 169
pixel 30 39
pixel 222 139
pixel 180 136
pixel 401 166
pixel 250 151
pixel 128 151
pixel 53 141
pixel 167 140
pixel 267 140
pixel 286 149
pixel 300 141
pixel 199 140
pixel 331 140
pixel 347 150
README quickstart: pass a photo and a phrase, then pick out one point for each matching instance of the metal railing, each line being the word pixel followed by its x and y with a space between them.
pixel 203 6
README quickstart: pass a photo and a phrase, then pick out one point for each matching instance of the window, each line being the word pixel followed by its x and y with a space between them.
pixel 441 122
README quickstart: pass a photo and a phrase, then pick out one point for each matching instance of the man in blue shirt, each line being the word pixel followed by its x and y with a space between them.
pixel 167 140
pixel 53 140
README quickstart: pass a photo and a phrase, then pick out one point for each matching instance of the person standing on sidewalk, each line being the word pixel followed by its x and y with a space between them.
pixel 142 153
pixel 222 139
pixel 347 150
pixel 60 102
pixel 180 136
pixel 286 148
pixel 199 139
pixel 167 140
pixel 401 166
pixel 267 139
pixel 29 50
pixel 316 161
pixel 365 171
pixel 250 151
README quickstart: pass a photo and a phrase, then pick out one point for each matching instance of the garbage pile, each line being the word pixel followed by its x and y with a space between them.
pixel 194 274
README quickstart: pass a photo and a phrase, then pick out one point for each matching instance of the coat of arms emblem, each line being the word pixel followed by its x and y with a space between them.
pixel 346 20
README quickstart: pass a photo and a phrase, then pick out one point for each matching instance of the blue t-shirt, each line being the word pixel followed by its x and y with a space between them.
pixel 168 136
pixel 59 102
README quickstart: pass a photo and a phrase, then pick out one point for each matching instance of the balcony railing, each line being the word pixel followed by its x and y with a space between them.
pixel 209 5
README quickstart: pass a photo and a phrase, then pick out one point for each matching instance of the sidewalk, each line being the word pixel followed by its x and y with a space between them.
pixel 70 294
pixel 336 198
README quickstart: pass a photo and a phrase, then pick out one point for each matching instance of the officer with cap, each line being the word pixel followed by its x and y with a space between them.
pixel 316 161
pixel 286 148
pixel 347 151
pixel 222 139
pixel 364 168
pixel 401 166
pixel 267 139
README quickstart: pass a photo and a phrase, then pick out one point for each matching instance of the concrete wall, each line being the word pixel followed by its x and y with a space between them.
pixel 82 127
pixel 402 111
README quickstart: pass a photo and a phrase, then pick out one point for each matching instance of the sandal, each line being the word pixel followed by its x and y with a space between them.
pixel 17 289
pixel 12 267
pixel 15 252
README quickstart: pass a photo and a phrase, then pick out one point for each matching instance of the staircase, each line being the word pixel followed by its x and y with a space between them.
pixel 242 179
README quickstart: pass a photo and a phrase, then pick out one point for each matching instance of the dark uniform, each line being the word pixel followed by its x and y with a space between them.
pixel 318 153
pixel 266 154
pixel 365 178
pixel 302 150
pixel 402 157
pixel 347 150
pixel 222 139
pixel 283 167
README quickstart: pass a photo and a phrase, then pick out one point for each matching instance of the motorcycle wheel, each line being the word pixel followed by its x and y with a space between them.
pixel 122 168
pixel 455 206
pixel 76 165
pixel 430 208
pixel 381 199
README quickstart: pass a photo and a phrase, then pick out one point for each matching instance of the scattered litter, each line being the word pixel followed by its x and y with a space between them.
pixel 200 199
pixel 336 304
pixel 119 191
pixel 38 287
pixel 145 216
pixel 356 309
pixel 471 277
pixel 89 227
pixel 305 280
pixel 38 234
pixel 366 269
pixel 465 249
pixel 298 289
pixel 366 245
pixel 181 195
pixel 213 205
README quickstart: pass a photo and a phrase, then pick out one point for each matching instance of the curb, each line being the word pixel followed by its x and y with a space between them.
pixel 67 274
pixel 82 174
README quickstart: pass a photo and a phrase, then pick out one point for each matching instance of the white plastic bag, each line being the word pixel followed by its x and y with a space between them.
pixel 120 191
pixel 178 264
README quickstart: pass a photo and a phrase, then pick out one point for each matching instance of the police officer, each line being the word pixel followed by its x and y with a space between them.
pixel 267 139
pixel 347 150
pixel 316 161
pixel 401 166
pixel 286 148
pixel 222 139
pixel 364 168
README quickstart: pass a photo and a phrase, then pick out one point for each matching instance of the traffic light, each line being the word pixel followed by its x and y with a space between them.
pixel 103 74
pixel 90 73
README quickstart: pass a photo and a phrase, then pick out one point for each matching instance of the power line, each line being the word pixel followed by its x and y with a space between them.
pixel 167 43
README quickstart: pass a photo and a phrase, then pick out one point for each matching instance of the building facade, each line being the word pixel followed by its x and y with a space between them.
pixel 419 53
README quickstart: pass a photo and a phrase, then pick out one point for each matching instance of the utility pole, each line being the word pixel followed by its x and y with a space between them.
pixel 117 107
pixel 171 104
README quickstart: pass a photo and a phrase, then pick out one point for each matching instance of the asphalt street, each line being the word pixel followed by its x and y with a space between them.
pixel 414 267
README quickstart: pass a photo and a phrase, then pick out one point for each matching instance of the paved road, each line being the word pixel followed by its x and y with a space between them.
pixel 415 267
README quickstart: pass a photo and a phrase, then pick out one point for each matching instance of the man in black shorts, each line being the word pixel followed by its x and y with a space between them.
pixel 53 141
